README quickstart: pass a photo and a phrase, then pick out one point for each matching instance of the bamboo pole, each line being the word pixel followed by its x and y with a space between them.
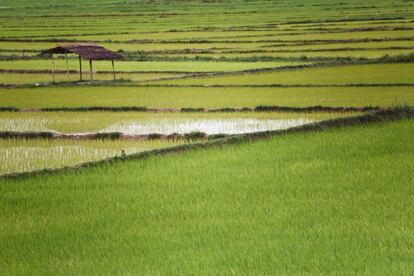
pixel 67 66
pixel 53 69
pixel 113 69
pixel 80 68
pixel 90 69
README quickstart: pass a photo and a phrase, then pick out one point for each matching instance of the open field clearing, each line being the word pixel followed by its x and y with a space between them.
pixel 198 97
pixel 349 74
pixel 20 155
pixel 322 201
pixel 162 123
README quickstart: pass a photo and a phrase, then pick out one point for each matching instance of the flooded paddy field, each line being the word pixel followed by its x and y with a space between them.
pixel 142 123
pixel 23 155
pixel 208 126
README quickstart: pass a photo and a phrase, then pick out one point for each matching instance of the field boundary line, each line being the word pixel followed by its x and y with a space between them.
pixel 143 85
pixel 259 108
pixel 208 41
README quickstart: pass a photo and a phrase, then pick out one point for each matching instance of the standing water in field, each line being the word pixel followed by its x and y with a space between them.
pixel 20 159
pixel 208 126
pixel 22 155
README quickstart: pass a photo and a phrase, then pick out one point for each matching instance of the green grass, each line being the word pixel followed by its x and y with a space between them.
pixel 158 97
pixel 310 203
pixel 351 74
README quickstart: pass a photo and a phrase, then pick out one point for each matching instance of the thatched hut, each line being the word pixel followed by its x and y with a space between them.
pixel 86 51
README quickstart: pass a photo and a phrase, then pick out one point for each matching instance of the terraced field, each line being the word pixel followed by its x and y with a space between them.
pixel 320 195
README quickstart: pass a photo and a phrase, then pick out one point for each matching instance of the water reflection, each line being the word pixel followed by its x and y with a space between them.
pixel 209 126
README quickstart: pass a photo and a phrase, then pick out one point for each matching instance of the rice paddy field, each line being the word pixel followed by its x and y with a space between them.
pixel 40 153
pixel 234 137
pixel 78 122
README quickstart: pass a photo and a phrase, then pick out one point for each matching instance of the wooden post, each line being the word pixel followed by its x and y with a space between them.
pixel 67 66
pixel 113 69
pixel 90 69
pixel 80 68
pixel 53 69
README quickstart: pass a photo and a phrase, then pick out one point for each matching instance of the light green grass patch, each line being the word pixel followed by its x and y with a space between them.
pixel 194 66
pixel 361 45
pixel 175 97
pixel 171 36
pixel 348 35
pixel 29 78
pixel 350 74
pixel 321 55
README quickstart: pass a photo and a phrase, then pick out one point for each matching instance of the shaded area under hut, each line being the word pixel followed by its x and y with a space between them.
pixel 86 51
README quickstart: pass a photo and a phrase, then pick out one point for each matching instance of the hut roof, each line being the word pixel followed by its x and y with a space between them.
pixel 85 50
